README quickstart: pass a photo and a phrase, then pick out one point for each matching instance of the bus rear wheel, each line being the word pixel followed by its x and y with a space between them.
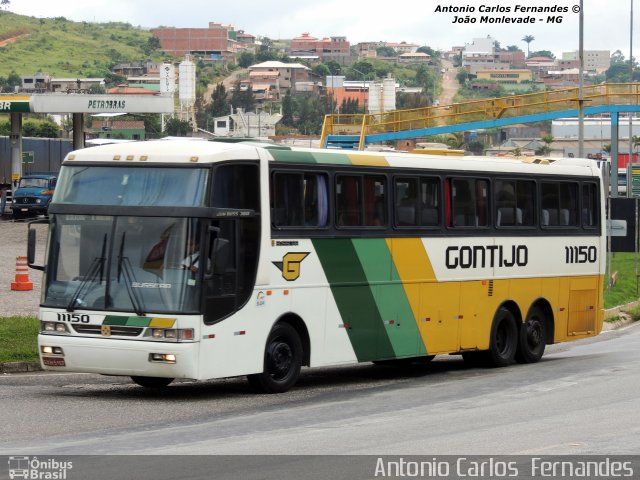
pixel 152 382
pixel 532 339
pixel 282 361
pixel 504 340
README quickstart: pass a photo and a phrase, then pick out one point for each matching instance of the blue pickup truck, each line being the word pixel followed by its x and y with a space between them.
pixel 33 195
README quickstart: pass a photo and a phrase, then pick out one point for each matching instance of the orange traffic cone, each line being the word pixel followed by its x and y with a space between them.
pixel 22 282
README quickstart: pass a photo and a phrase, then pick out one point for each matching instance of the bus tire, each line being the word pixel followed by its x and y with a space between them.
pixel 532 338
pixel 282 361
pixel 504 340
pixel 152 382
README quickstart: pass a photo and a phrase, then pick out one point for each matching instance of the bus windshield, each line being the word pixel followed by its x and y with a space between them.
pixel 132 186
pixel 138 264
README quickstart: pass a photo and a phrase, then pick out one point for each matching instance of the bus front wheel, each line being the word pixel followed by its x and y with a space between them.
pixel 282 361
pixel 152 382
pixel 532 339
pixel 504 339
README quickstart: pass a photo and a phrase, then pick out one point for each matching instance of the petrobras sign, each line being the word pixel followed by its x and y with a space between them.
pixel 80 103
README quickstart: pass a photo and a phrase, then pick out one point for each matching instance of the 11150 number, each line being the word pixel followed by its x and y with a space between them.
pixel 582 254
pixel 73 317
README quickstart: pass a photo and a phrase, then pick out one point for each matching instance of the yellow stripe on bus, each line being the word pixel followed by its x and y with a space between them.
pixel 162 322
pixel 368 160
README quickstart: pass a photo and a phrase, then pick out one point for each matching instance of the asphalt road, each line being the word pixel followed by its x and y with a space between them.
pixel 582 398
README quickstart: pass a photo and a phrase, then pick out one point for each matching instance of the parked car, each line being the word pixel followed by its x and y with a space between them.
pixel 33 195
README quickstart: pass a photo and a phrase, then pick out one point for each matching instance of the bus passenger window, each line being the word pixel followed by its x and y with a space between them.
pixel 559 204
pixel 361 201
pixel 515 200
pixel 236 186
pixel 299 200
pixel 374 205
pixel 469 199
pixel 429 202
pixel 348 192
pixel 589 205
pixel 406 205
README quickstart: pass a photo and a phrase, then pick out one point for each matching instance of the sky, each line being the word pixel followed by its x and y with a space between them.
pixel 606 22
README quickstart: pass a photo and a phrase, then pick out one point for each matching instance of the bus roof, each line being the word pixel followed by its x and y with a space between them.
pixel 192 151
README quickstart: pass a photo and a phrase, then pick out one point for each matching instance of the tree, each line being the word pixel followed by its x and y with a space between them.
pixel 386 52
pixel 546 149
pixel 543 53
pixel 244 99
pixel 462 76
pixel 617 57
pixel 153 44
pixel 321 70
pixel 361 69
pixel 5 4
pixel 96 89
pixel 476 147
pixel 177 128
pixel 246 59
pixel 219 105
pixel 635 139
pixel 334 67
pixel 8 84
pixel 287 110
pixel 429 51
pixel 528 39
pixel 266 56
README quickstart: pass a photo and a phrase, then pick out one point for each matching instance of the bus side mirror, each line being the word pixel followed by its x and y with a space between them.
pixel 31 245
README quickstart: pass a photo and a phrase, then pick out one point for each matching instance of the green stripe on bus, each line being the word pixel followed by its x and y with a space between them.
pixel 354 299
pixel 114 320
pixel 399 323
pixel 138 321
pixel 333 158
pixel 289 156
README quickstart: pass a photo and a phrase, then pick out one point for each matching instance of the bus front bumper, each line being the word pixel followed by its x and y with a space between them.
pixel 118 357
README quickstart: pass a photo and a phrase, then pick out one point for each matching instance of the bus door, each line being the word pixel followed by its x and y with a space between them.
pixel 232 241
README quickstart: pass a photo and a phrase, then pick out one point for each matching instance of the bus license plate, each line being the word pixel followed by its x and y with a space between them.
pixel 53 361
pixel 24 209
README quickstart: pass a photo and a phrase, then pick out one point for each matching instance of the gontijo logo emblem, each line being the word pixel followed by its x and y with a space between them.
pixel 290 265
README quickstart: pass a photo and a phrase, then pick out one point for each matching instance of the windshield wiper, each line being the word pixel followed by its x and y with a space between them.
pixel 96 268
pixel 126 271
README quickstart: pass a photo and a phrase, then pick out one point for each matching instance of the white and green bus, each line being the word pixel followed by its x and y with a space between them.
pixel 202 260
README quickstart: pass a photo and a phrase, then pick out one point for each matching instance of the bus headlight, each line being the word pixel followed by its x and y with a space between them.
pixel 171 334
pixel 162 358
pixel 50 327
pixel 47 350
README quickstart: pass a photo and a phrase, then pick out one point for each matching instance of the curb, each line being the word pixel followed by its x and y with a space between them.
pixel 19 367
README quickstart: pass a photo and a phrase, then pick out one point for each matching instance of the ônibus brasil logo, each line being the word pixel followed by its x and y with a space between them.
pixel 35 469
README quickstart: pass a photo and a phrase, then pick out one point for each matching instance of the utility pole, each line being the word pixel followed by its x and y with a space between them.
pixel 581 86
pixel 629 163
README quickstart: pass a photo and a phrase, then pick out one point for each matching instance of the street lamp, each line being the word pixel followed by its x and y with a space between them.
pixel 364 87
